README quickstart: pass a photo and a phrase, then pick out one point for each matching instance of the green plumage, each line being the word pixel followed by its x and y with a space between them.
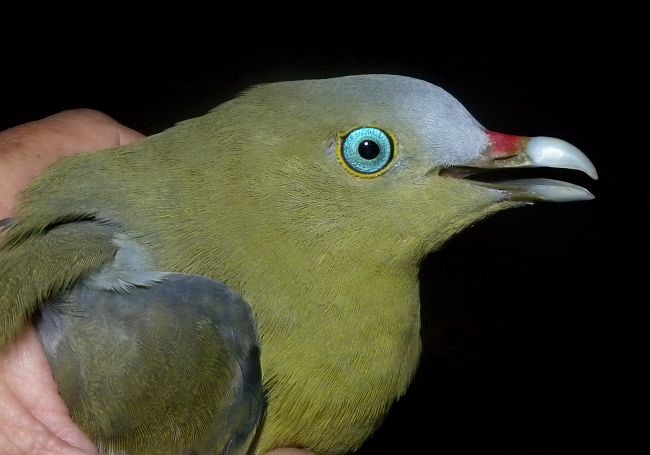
pixel 252 195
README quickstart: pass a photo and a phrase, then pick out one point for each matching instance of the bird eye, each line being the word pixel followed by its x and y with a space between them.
pixel 366 152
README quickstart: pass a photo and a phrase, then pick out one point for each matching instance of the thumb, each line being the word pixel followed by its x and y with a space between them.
pixel 29 149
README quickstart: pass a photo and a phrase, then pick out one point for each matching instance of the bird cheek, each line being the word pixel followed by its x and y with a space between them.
pixel 451 205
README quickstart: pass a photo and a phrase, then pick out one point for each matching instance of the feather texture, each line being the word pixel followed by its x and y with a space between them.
pixel 252 195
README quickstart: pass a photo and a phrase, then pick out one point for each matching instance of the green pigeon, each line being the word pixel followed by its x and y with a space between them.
pixel 248 279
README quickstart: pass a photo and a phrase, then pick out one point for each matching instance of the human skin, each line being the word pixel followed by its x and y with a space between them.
pixel 33 418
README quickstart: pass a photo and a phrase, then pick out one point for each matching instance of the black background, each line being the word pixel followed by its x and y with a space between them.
pixel 527 317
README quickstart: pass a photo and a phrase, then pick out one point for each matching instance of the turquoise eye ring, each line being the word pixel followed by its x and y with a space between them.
pixel 366 152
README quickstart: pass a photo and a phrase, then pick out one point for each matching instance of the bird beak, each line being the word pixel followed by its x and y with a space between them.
pixel 506 153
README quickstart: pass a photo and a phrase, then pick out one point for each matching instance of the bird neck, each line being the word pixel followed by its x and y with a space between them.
pixel 340 342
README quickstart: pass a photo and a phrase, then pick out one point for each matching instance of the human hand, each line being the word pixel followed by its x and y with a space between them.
pixel 33 417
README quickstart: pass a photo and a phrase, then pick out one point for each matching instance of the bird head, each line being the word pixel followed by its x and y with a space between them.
pixel 377 166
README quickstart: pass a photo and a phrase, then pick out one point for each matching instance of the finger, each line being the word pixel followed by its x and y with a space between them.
pixel 25 376
pixel 28 149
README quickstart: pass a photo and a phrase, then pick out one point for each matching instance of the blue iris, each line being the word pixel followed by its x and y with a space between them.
pixel 367 150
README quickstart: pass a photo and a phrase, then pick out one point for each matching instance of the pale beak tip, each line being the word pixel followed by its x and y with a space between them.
pixel 552 152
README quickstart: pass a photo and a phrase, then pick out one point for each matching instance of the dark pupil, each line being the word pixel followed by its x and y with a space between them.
pixel 369 150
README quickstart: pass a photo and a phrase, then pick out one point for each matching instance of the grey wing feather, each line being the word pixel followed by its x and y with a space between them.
pixel 169 364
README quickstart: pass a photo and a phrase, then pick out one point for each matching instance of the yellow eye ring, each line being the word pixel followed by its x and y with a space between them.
pixel 366 152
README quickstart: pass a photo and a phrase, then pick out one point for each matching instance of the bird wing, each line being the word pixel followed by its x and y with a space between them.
pixel 147 362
